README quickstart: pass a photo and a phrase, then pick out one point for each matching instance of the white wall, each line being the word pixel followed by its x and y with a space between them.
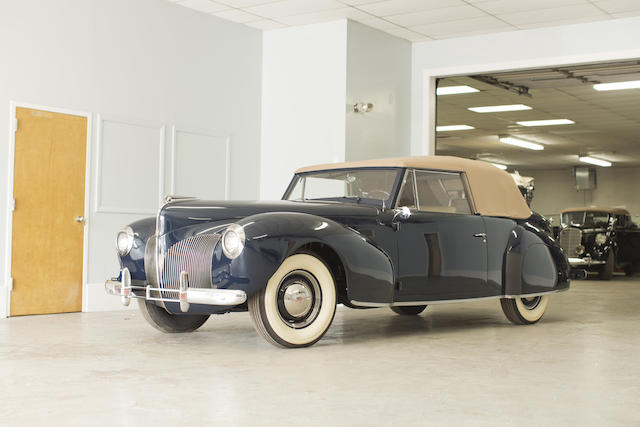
pixel 146 62
pixel 303 101
pixel 378 71
pixel 563 45
pixel 555 190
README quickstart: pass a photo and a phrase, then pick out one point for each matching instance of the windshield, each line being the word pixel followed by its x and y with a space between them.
pixel 586 219
pixel 357 185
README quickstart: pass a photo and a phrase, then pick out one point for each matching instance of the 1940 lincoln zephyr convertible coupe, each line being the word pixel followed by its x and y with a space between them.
pixel 401 233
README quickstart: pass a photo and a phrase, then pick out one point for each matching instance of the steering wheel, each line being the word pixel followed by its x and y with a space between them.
pixel 386 194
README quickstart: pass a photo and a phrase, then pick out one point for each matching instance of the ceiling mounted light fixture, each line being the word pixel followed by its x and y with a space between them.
pixel 520 143
pixel 499 108
pixel 455 90
pixel 453 127
pixel 632 84
pixel 594 161
pixel 551 122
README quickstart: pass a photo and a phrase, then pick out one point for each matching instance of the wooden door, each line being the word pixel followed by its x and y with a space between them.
pixel 47 237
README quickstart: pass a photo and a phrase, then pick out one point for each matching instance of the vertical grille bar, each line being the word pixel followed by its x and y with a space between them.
pixel 570 238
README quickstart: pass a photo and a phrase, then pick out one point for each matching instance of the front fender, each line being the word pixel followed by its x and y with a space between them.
pixel 272 237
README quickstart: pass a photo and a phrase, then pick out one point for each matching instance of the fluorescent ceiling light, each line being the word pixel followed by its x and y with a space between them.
pixel 453 127
pixel 594 161
pixel 520 143
pixel 454 90
pixel 551 122
pixel 498 108
pixel 499 166
pixel 633 84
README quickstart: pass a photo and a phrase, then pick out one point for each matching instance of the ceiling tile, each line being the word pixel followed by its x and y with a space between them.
pixel 359 2
pixel 293 7
pixel 237 15
pixel 437 16
pixel 378 23
pixel 497 7
pixel 566 21
pixel 244 3
pixel 553 15
pixel 398 7
pixel 466 25
pixel 324 16
pixel 266 24
pixel 205 6
pixel 618 6
pixel 407 34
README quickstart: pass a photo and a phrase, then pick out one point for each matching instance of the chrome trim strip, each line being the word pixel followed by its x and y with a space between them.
pixel 575 262
pixel 450 301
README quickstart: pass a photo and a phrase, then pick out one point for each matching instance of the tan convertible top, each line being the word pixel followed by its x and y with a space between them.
pixel 494 192
pixel 614 211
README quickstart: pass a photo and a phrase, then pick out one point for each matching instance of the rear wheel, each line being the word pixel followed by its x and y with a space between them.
pixel 163 321
pixel 524 311
pixel 607 270
pixel 408 310
pixel 297 306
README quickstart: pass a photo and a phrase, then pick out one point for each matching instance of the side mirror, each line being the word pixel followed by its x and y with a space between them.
pixel 403 213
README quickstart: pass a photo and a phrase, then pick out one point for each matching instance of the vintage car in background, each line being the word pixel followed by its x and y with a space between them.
pixel 400 233
pixel 600 240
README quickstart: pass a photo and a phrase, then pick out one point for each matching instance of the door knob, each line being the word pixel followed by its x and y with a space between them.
pixel 482 235
pixel 81 219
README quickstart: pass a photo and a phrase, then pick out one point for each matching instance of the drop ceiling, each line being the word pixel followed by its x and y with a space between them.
pixel 607 124
pixel 419 20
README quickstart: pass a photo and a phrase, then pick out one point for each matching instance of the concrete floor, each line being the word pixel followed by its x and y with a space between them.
pixel 459 364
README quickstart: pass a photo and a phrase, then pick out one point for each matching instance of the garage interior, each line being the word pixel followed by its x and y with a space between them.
pixel 223 100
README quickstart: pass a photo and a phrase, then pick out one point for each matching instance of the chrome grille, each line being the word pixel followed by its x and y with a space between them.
pixel 570 238
pixel 150 262
pixel 193 255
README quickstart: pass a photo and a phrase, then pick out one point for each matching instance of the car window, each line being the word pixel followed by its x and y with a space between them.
pixel 441 192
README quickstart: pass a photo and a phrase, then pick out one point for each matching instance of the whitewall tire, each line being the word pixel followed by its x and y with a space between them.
pixel 297 306
pixel 525 311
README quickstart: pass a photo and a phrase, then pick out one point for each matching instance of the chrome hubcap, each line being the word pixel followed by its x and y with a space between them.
pixel 299 299
pixel 531 303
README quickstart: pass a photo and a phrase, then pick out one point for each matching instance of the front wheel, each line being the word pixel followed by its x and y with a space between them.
pixel 607 269
pixel 297 306
pixel 163 321
pixel 524 311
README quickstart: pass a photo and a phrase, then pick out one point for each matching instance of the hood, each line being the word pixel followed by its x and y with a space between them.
pixel 185 213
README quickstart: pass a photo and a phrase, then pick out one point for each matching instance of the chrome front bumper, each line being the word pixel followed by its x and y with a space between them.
pixel 185 295
pixel 584 262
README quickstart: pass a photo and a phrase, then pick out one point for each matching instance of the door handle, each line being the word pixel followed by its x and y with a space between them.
pixel 81 219
pixel 482 235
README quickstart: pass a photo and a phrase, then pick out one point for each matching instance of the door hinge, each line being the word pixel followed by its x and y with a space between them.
pixel 15 124
pixel 12 205
pixel 10 284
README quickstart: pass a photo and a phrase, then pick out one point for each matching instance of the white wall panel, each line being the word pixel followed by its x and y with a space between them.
pixel 200 165
pixel 130 172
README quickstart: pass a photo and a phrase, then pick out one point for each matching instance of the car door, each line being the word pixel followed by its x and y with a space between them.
pixel 442 252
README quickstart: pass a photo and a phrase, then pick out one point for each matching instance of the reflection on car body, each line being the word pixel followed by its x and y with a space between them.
pixel 400 233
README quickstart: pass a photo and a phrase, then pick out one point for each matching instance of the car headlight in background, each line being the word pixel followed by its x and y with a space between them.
pixel 601 238
pixel 233 241
pixel 579 249
pixel 124 241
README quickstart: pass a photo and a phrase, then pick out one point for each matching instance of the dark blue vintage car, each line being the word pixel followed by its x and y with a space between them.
pixel 400 233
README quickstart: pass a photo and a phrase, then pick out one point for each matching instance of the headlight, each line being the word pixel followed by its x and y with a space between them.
pixel 579 249
pixel 601 238
pixel 124 241
pixel 233 241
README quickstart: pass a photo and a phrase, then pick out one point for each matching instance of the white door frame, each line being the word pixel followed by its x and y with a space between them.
pixel 6 307
pixel 423 128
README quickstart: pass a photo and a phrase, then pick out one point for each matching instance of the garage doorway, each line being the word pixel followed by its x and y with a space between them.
pixel 48 221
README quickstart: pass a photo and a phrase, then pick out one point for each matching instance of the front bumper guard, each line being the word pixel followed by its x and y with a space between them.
pixel 185 294
pixel 585 262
